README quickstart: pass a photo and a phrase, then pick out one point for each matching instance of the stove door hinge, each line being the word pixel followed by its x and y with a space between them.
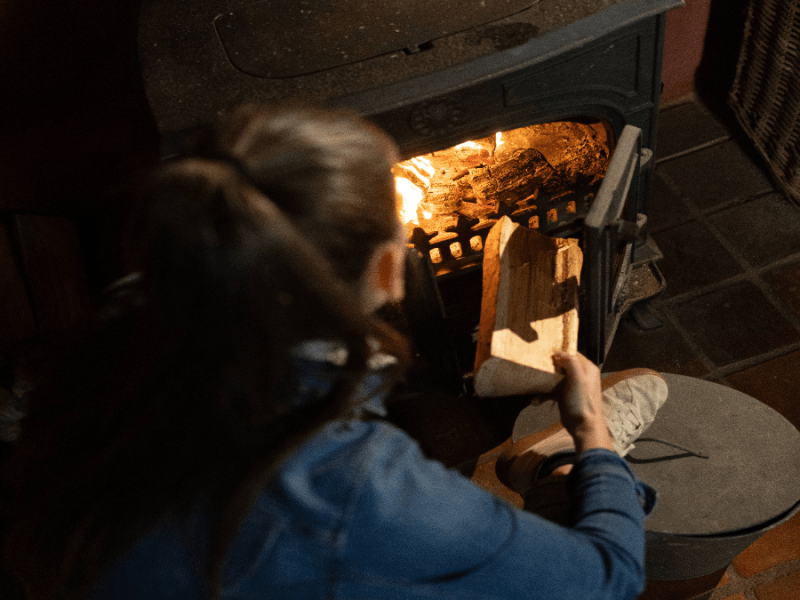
pixel 628 231
pixel 645 158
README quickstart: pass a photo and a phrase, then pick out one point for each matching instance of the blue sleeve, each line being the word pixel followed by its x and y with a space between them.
pixel 418 526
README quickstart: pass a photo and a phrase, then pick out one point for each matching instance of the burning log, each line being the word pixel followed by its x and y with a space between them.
pixel 443 197
pixel 412 173
pixel 540 175
pixel 529 310
pixel 473 210
pixel 570 148
pixel 514 179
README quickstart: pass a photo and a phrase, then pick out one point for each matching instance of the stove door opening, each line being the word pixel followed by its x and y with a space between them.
pixel 564 179
pixel 541 176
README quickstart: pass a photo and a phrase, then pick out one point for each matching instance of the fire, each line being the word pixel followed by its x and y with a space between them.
pixel 424 164
pixel 413 180
pixel 411 193
pixel 543 175
pixel 409 197
pixel 467 146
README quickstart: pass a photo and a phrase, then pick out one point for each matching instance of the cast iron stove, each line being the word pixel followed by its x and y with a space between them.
pixel 435 74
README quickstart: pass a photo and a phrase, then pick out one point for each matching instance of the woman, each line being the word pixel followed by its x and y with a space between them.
pixel 219 435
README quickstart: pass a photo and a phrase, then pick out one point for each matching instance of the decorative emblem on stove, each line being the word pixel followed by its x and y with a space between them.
pixel 435 118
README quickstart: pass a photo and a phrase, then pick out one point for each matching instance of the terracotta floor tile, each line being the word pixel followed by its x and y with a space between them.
pixel 784 588
pixel 762 230
pixel 726 579
pixel 716 175
pixel 661 349
pixel 735 323
pixel 681 246
pixel 776 383
pixel 682 589
pixel 685 126
pixel 775 547
pixel 720 592
pixel 786 283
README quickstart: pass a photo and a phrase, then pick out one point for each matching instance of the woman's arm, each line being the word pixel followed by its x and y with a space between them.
pixel 417 525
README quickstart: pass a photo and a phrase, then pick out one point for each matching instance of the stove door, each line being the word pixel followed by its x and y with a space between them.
pixel 612 226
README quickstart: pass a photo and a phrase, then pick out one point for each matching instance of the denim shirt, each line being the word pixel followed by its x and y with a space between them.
pixel 359 512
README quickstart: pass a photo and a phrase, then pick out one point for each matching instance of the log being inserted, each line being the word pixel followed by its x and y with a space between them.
pixel 529 310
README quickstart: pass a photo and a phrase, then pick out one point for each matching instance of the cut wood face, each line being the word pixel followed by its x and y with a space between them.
pixel 529 310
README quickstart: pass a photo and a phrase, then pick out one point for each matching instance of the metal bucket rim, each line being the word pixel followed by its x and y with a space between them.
pixel 737 533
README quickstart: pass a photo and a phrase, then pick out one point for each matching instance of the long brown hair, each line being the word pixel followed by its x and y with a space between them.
pixel 255 242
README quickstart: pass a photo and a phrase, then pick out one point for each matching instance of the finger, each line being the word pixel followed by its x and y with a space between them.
pixel 569 362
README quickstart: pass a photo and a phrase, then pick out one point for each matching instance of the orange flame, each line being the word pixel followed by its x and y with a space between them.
pixel 409 194
pixel 467 145
pixel 409 197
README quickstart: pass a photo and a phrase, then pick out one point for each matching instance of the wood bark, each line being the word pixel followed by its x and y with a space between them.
pixel 529 310
pixel 514 179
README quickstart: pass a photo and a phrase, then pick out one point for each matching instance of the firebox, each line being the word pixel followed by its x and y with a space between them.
pixel 543 176
pixel 481 98
pixel 580 191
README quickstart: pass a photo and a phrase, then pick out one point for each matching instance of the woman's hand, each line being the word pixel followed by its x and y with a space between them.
pixel 581 402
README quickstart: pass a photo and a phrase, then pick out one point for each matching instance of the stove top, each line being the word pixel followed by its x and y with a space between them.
pixel 201 59
pixel 287 38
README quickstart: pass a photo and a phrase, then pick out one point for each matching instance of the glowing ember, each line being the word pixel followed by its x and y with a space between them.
pixel 498 140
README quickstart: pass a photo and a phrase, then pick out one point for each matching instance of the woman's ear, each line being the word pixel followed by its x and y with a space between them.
pixel 385 276
pixel 391 272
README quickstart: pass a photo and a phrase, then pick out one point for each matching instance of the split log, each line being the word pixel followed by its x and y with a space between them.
pixel 529 310
pixel 443 197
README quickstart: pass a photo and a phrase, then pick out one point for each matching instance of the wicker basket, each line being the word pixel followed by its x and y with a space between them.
pixel 766 91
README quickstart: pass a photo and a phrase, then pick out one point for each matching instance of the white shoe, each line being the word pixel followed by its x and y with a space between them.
pixel 632 399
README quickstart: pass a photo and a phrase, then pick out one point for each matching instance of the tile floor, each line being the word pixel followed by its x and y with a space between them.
pixel 731 313
pixel 731 308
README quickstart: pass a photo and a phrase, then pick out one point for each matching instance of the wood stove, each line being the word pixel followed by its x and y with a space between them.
pixel 433 75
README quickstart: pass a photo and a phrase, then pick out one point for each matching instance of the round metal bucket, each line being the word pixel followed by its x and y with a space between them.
pixel 726 468
pixel 670 557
